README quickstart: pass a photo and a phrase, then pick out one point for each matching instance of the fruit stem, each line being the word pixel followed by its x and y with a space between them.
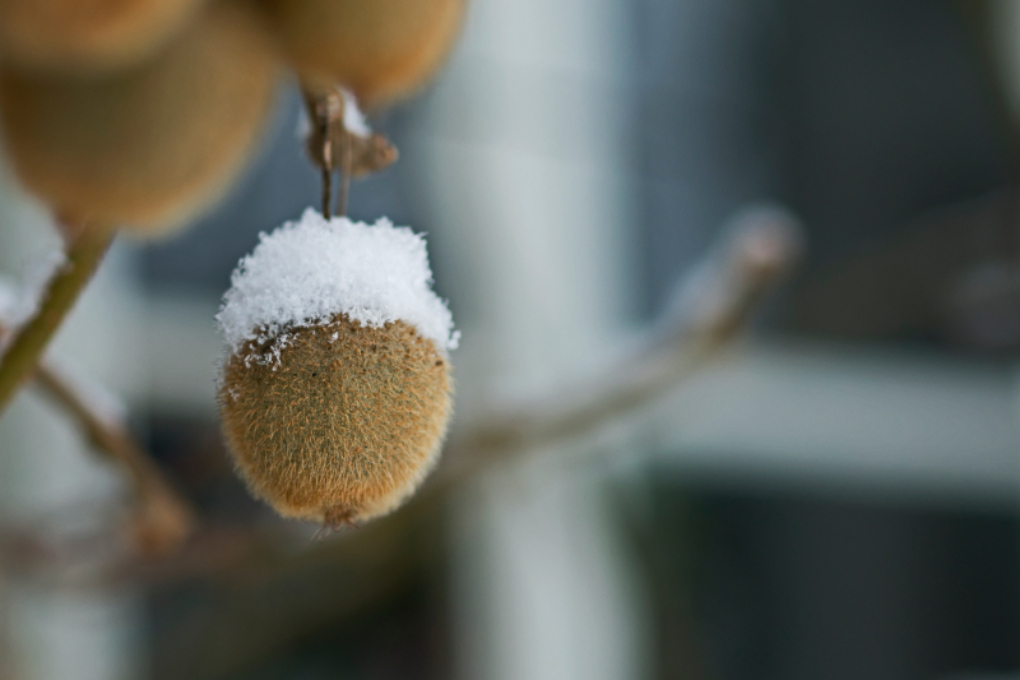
pixel 85 251
pixel 326 109
pixel 321 111
pixel 345 175
pixel 327 193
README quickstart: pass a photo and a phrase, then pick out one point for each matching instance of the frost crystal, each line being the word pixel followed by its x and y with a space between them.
pixel 354 119
pixel 307 272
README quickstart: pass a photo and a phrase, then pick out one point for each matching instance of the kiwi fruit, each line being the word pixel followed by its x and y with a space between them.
pixel 88 35
pixel 382 50
pixel 149 147
pixel 339 422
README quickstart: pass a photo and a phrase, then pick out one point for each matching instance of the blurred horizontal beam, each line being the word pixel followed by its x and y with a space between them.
pixel 825 417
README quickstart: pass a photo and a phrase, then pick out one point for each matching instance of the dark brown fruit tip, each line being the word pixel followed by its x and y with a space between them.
pixel 336 423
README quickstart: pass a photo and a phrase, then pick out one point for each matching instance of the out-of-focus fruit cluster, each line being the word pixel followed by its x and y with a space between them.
pixel 138 114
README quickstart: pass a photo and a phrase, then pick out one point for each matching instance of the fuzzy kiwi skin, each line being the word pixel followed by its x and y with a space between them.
pixel 382 50
pixel 339 430
pixel 79 36
pixel 145 148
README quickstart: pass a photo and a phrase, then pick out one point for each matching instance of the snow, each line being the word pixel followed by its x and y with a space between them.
pixel 306 272
pixel 354 119
pixel 303 126
pixel 19 302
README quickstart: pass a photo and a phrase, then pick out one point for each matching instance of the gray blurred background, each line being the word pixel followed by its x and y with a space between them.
pixel 836 500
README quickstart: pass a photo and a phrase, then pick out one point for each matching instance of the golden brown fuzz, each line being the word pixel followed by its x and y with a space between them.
pixel 149 147
pixel 337 430
pixel 381 49
pixel 88 35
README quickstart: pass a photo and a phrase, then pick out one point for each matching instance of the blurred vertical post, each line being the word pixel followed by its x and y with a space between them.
pixel 1003 28
pixel 524 144
pixel 1003 23
pixel 50 482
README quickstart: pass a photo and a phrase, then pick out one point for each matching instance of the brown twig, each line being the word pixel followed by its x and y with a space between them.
pixel 332 147
pixel 322 115
pixel 326 109
pixel 327 193
pixel 726 290
pixel 163 518
pixel 84 253
pixel 345 174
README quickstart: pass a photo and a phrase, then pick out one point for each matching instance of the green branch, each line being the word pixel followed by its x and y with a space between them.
pixel 17 364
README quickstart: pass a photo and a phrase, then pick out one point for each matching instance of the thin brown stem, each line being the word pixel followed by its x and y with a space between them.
pixel 325 108
pixel 729 290
pixel 345 175
pixel 84 254
pixel 327 193
pixel 164 519
pixel 323 119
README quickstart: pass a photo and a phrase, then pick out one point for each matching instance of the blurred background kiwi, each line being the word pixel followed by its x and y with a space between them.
pixel 148 146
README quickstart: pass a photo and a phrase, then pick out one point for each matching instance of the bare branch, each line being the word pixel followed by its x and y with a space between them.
pixel 163 519
pixel 84 253
pixel 716 303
